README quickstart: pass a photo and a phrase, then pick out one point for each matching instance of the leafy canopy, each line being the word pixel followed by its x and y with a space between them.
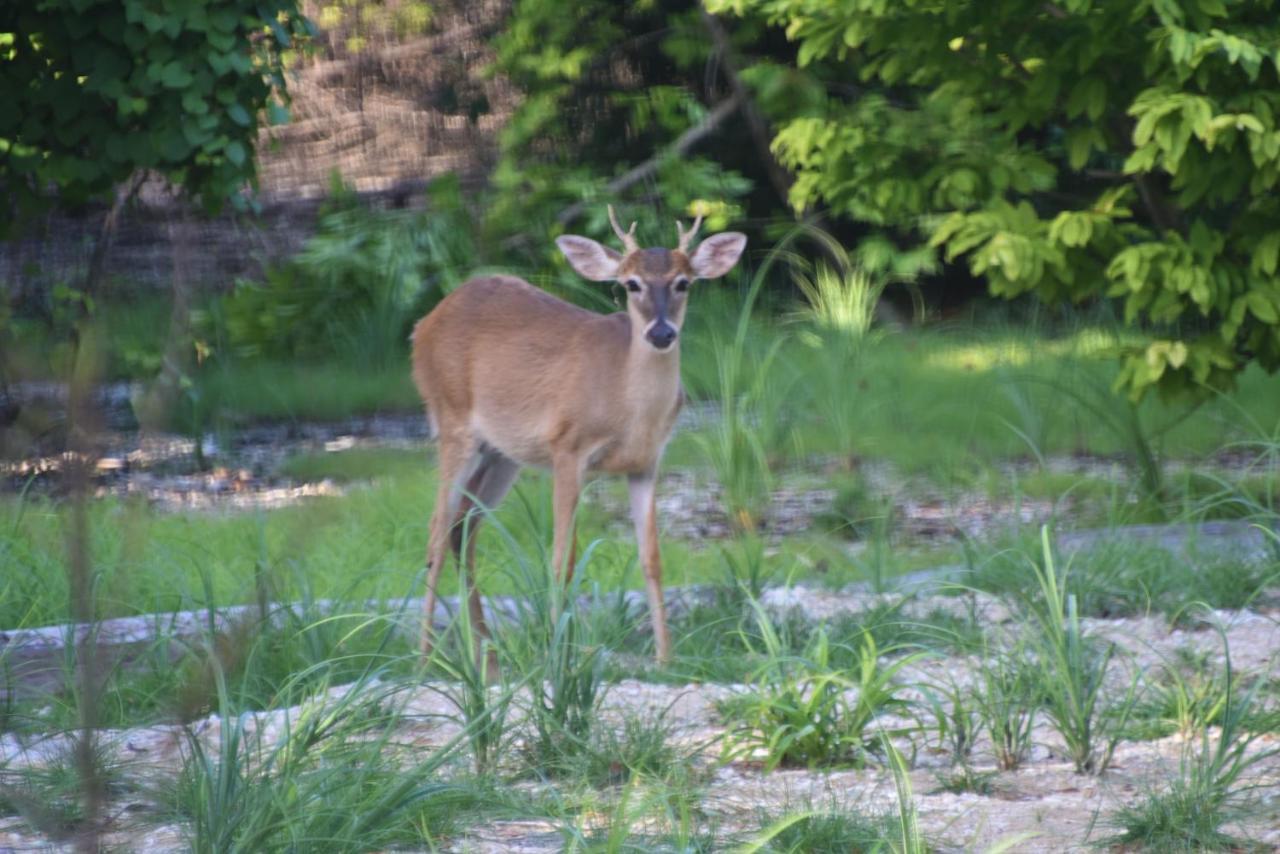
pixel 605 86
pixel 97 89
pixel 1071 149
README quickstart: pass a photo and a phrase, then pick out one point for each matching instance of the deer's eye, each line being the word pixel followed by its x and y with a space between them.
pixel 633 285
pixel 681 285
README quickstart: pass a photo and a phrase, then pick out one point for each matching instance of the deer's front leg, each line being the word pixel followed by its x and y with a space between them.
pixel 566 472
pixel 644 515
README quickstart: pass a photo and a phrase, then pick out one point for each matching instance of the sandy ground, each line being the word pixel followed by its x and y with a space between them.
pixel 1042 806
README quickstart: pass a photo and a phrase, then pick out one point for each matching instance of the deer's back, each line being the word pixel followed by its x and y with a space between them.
pixel 499 357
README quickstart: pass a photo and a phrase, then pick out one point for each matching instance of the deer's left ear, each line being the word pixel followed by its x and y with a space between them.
pixel 591 260
pixel 716 255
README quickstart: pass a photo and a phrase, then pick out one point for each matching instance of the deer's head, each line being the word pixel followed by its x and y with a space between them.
pixel 657 280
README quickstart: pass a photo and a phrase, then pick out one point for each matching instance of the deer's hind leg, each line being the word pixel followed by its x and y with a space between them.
pixel 458 458
pixel 485 489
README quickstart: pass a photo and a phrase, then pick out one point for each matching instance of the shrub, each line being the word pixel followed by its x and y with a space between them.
pixel 800 713
pixel 1210 790
pixel 358 284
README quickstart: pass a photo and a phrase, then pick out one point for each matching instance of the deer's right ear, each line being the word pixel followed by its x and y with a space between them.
pixel 591 260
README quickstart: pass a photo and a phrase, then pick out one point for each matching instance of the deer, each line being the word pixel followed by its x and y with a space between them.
pixel 512 376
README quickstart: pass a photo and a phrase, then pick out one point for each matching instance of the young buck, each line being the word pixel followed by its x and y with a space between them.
pixel 512 376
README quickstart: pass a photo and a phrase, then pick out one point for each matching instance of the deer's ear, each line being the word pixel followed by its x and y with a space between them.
pixel 591 260
pixel 716 255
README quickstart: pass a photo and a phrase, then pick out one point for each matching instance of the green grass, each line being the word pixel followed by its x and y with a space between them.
pixel 367 544
pixel 1072 667
pixel 799 406
pixel 944 401
pixel 49 797
pixel 797 712
pixel 289 391
pixel 333 779
pixel 334 775
pixel 844 830
pixel 1124 578
pixel 173 680
pixel 1006 698
pixel 1214 788
pixel 921 400
pixel 849 828
pixel 948 403
pixel 356 465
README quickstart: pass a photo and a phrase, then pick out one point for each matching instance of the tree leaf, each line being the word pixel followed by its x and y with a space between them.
pixel 1261 306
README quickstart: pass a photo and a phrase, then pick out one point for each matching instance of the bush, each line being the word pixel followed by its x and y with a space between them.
pixel 358 284
pixel 799 712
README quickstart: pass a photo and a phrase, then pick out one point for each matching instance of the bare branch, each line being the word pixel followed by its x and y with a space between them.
pixel 757 126
pixel 679 148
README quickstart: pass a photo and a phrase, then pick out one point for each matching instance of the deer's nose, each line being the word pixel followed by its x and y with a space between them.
pixel 661 335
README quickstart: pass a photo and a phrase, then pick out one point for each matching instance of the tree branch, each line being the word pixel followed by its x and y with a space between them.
pixel 1165 215
pixel 756 124
pixel 687 140
pixel 107 233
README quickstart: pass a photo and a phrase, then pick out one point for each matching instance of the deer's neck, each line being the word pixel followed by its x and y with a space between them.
pixel 652 382
pixel 640 405
pixel 653 369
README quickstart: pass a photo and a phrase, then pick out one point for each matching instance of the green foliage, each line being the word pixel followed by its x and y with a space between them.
pixel 841 297
pixel 597 100
pixel 1116 578
pixel 799 712
pixel 359 283
pixel 1184 697
pixel 753 416
pixel 330 781
pixel 466 661
pixel 352 26
pixel 736 445
pixel 834 830
pixel 97 90
pixel 1071 150
pixel 1211 789
pixel 49 797
pixel 641 749
pixel 1006 699
pixel 643 819
pixel 957 719
pixel 559 641
pixel 1072 670
pixel 965 780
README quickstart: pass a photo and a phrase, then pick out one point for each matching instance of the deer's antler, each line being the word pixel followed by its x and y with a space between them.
pixel 686 236
pixel 628 238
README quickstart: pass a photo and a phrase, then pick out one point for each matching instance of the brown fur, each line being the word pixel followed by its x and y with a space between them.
pixel 512 376
pixel 526 389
